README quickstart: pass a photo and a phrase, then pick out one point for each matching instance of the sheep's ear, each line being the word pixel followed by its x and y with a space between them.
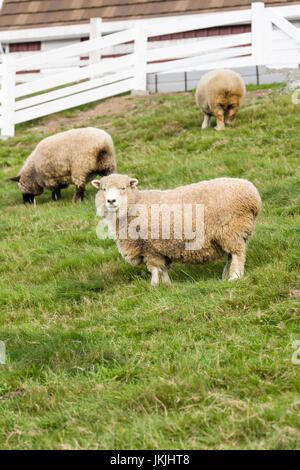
pixel 133 182
pixel 96 183
pixel 15 178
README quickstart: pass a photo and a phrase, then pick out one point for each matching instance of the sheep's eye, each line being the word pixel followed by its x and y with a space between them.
pixel 123 189
pixel 104 189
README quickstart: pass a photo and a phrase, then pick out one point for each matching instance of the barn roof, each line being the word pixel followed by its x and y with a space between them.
pixel 19 14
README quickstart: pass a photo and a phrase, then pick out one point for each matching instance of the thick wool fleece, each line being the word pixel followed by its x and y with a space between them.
pixel 72 157
pixel 220 93
pixel 230 209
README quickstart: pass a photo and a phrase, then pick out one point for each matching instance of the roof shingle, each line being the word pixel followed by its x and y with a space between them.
pixel 16 14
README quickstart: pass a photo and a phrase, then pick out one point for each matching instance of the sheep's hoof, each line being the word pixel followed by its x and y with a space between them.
pixel 236 275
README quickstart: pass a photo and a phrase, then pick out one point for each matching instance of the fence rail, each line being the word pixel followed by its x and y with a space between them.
pixel 273 41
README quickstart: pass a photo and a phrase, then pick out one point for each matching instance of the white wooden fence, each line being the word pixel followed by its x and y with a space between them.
pixel 273 41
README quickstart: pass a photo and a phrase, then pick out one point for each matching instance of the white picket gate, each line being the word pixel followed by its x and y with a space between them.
pixel 273 41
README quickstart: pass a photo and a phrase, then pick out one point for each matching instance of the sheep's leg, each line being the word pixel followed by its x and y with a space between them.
pixel 206 121
pixel 158 274
pixel 231 115
pixel 226 269
pixel 134 261
pixel 131 252
pixel 56 194
pixel 165 277
pixel 156 265
pixel 236 269
pixel 219 113
pixel 155 275
pixel 79 193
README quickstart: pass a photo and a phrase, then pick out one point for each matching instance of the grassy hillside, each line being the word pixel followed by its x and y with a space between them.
pixel 96 358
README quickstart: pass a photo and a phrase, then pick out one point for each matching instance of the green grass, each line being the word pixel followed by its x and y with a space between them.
pixel 96 358
pixel 266 86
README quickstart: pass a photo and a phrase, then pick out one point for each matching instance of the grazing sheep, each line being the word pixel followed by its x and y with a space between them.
pixel 220 93
pixel 229 209
pixel 72 157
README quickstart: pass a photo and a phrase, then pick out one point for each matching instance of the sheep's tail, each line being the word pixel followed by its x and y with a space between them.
pixel 103 152
pixel 106 157
pixel 256 203
pixel 257 208
pixel 105 149
pixel 224 93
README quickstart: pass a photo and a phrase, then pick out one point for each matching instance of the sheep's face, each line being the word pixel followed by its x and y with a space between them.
pixel 28 191
pixel 29 187
pixel 116 192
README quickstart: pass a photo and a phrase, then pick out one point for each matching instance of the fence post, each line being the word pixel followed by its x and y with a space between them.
pixel 8 98
pixel 95 32
pixel 140 50
pixel 261 30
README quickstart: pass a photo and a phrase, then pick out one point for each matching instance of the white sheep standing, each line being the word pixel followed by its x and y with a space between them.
pixel 220 93
pixel 72 157
pixel 229 209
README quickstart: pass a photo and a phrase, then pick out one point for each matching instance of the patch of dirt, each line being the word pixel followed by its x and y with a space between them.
pixel 114 105
pixel 295 293
pixel 263 92
pixel 253 95
pixel 111 106
pixel 218 143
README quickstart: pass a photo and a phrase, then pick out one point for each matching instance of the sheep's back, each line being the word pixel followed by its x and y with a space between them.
pixel 216 195
pixel 59 156
pixel 230 206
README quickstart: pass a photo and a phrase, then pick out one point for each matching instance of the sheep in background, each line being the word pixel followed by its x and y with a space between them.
pixel 230 207
pixel 220 93
pixel 72 157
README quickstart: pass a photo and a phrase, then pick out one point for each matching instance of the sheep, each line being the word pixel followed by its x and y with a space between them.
pixel 220 93
pixel 72 157
pixel 227 211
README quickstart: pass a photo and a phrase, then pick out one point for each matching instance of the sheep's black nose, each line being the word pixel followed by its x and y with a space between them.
pixel 111 201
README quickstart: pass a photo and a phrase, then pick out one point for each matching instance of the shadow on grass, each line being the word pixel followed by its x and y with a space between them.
pixel 75 289
pixel 196 273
